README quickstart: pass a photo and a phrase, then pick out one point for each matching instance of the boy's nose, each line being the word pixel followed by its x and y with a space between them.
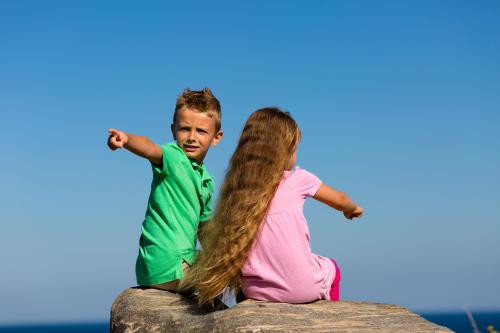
pixel 192 136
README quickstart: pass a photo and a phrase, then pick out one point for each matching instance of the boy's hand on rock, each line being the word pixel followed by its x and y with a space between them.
pixel 357 212
pixel 117 139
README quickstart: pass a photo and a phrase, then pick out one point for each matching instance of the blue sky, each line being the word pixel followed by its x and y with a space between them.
pixel 398 103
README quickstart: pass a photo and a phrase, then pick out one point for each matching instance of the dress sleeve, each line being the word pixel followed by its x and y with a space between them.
pixel 170 155
pixel 307 183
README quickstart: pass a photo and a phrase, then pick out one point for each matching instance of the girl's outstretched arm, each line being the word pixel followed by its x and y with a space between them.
pixel 338 200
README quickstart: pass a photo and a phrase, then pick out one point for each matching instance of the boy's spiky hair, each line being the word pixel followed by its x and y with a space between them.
pixel 202 101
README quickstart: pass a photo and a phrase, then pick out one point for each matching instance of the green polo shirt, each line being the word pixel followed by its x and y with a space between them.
pixel 181 194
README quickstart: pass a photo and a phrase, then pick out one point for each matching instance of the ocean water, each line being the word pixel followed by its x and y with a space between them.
pixel 58 328
pixel 457 322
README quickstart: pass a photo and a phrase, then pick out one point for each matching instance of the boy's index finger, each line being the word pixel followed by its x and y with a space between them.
pixel 113 132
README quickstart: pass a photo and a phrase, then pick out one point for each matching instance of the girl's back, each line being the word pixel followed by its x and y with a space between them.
pixel 280 266
pixel 258 240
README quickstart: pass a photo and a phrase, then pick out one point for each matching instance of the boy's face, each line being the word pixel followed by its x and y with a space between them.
pixel 195 133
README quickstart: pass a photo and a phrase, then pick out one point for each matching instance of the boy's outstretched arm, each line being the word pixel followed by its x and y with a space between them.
pixel 139 145
pixel 338 200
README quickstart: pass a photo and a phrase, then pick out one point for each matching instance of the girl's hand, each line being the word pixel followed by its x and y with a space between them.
pixel 357 212
pixel 117 139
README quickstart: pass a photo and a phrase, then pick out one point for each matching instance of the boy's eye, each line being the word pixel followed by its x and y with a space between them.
pixel 202 131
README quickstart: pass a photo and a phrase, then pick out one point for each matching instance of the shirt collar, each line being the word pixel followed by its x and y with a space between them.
pixel 197 167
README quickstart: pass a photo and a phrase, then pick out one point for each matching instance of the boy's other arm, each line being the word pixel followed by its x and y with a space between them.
pixel 201 229
pixel 139 145
pixel 338 200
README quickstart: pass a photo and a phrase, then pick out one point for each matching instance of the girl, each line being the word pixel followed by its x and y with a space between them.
pixel 258 241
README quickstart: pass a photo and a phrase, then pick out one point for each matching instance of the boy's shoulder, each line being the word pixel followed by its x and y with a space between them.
pixel 173 154
pixel 173 149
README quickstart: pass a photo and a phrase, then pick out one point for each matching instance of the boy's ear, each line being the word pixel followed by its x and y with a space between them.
pixel 172 128
pixel 217 138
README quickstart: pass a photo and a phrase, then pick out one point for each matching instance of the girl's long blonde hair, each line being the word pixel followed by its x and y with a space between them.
pixel 268 140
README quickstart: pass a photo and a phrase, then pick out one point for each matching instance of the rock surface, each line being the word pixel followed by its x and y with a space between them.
pixel 150 310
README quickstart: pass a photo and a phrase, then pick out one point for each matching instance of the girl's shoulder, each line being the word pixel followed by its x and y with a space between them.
pixel 298 172
pixel 304 181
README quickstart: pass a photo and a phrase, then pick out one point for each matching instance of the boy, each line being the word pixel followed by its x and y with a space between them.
pixel 181 190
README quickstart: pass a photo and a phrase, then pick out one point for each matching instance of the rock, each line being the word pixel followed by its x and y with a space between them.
pixel 151 310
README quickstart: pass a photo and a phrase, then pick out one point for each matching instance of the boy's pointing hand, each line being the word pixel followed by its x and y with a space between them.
pixel 117 139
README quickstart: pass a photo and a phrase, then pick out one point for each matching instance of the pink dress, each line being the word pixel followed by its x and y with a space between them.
pixel 280 266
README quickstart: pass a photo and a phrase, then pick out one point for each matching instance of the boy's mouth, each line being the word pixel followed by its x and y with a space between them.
pixel 190 149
